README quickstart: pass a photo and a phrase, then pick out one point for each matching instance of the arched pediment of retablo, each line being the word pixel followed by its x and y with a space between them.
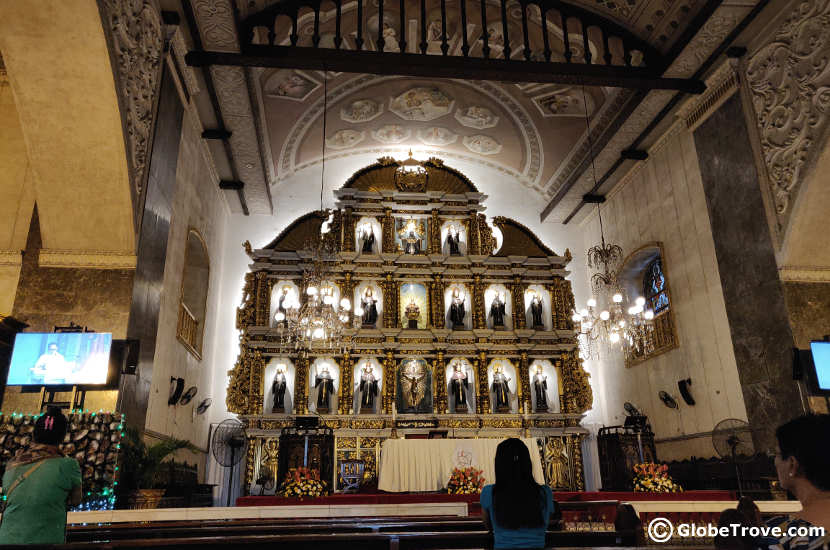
pixel 518 240
pixel 380 177
pixel 299 233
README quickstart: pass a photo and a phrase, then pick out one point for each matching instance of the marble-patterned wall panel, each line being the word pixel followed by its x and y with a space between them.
pixel 152 250
pixel 664 202
pixel 758 318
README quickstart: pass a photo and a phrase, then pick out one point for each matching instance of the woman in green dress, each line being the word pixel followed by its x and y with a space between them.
pixel 38 484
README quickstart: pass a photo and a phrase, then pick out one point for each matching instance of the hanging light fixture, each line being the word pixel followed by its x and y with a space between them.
pixel 319 320
pixel 608 316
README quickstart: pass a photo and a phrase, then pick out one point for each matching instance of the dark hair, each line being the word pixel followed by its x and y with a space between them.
pixel 807 438
pixel 729 517
pixel 627 518
pixel 518 501
pixel 747 507
pixel 50 428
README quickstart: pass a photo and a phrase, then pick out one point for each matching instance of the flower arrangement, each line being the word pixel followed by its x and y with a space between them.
pixel 302 482
pixel 654 478
pixel 465 481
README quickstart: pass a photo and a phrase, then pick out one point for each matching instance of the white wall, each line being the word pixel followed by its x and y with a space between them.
pixel 664 201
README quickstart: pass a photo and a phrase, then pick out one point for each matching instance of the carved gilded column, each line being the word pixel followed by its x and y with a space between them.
pixel 390 302
pixel 437 300
pixel 388 229
pixel 483 401
pixel 348 230
pixel 250 460
pixel 347 291
pixel 388 382
pixel 434 243
pixel 474 237
pixel 524 385
pixel 301 386
pixel 557 309
pixel 578 483
pixel 438 368
pixel 479 315
pixel 517 291
pixel 560 391
pixel 568 301
pixel 488 242
pixel 245 385
pixel 346 384
pixel 263 299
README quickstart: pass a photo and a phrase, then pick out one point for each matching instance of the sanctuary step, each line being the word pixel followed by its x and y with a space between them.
pixel 397 540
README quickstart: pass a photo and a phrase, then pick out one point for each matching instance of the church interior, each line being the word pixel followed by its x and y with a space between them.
pixel 365 241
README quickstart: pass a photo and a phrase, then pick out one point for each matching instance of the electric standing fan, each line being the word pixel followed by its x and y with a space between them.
pixel 226 445
pixel 732 439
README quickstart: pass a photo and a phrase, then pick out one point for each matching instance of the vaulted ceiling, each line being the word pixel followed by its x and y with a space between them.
pixel 531 137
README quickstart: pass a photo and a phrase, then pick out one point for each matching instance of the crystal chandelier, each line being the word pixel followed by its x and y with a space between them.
pixel 606 317
pixel 321 322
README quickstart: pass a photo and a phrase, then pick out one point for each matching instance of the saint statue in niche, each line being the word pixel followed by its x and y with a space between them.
pixel 458 388
pixel 453 239
pixel 281 303
pixel 411 234
pixel 413 384
pixel 501 390
pixel 368 390
pixel 536 308
pixel 540 388
pixel 457 312
pixel 497 311
pixel 278 389
pixel 367 239
pixel 413 312
pixel 325 389
pixel 370 309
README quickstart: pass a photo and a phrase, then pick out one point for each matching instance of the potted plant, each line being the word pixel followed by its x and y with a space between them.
pixel 140 465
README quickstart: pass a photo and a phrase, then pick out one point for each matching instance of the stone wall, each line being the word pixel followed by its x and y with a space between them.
pixel 758 318
pixel 663 201
pixel 47 297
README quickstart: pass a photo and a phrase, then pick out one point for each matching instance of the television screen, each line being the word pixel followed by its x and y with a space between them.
pixel 821 360
pixel 57 358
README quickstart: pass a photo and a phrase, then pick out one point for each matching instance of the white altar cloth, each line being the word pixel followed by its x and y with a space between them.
pixel 413 465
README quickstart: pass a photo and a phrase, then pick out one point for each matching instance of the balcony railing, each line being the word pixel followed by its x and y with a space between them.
pixel 187 331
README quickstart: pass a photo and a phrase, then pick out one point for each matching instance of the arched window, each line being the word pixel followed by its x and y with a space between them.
pixel 642 274
pixel 193 302
pixel 654 287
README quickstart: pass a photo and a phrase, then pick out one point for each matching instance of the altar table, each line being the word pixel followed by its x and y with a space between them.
pixel 419 465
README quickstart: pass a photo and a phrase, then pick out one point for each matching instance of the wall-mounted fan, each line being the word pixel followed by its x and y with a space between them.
pixel 204 405
pixel 667 400
pixel 631 410
pixel 188 395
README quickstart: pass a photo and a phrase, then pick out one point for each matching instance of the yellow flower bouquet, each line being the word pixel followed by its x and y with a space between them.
pixel 654 478
pixel 301 483
pixel 465 481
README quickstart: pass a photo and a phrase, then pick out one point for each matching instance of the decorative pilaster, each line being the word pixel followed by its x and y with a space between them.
pixel 388 382
pixel 517 291
pixel 348 230
pixel 250 459
pixel 438 368
pixel 301 386
pixel 388 228
pixel 524 384
pixel 346 384
pixel 263 299
pixel 245 386
pixel 557 309
pixel 568 301
pixel 436 296
pixel 483 401
pixel 578 467
pixel 390 302
pixel 479 315
pixel 474 247
pixel 488 242
pixel 434 241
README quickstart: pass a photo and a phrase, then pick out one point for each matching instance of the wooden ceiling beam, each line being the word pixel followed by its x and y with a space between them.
pixel 436 66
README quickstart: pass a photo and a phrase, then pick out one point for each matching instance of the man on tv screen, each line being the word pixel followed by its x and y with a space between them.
pixel 51 367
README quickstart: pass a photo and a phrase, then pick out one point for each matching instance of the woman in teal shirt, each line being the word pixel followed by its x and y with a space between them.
pixel 39 482
pixel 516 508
